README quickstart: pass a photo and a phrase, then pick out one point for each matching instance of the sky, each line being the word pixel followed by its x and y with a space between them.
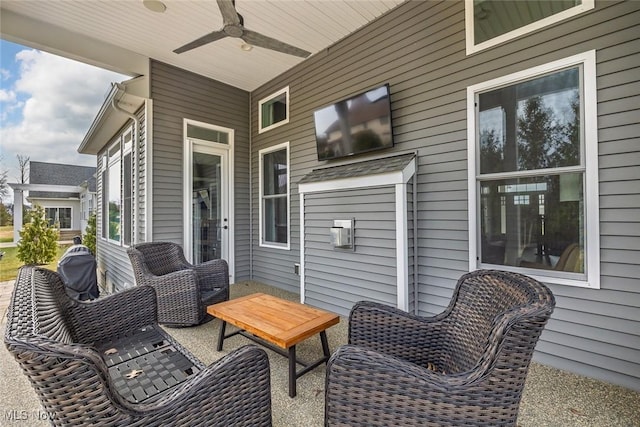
pixel 47 104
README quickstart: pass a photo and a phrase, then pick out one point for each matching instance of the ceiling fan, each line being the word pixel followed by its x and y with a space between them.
pixel 233 26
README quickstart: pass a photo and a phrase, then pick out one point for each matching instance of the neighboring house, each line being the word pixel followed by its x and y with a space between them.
pixel 517 153
pixel 66 192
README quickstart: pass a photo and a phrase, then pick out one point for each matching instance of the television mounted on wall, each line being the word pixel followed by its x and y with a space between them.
pixel 358 124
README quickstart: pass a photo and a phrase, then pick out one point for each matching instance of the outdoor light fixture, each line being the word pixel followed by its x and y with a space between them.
pixel 154 5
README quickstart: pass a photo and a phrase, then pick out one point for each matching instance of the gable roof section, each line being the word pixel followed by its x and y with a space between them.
pixel 60 174
pixel 122 101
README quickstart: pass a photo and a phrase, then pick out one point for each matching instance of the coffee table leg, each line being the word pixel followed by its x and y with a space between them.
pixel 223 328
pixel 325 344
pixel 292 371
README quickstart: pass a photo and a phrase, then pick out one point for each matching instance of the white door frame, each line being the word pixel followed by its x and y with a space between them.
pixel 226 152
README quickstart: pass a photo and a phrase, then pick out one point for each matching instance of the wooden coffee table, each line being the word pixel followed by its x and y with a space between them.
pixel 277 324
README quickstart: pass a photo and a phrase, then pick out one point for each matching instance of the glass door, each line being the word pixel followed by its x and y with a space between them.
pixel 208 193
pixel 209 219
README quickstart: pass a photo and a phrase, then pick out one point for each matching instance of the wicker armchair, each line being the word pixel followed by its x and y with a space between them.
pixel 465 366
pixel 183 290
pixel 108 363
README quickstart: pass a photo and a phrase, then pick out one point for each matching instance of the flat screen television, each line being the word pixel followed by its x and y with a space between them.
pixel 359 124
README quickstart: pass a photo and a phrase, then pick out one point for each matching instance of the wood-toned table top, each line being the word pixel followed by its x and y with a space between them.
pixel 278 321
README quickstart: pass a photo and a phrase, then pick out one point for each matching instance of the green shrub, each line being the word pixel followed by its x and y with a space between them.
pixel 38 240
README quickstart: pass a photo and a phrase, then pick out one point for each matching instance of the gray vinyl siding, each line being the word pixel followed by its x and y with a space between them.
pixel 336 279
pixel 178 94
pixel 419 49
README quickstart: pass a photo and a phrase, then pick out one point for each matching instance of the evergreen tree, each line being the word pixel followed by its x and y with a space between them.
pixel 38 240
pixel 5 215
pixel 89 238
pixel 491 152
pixel 535 135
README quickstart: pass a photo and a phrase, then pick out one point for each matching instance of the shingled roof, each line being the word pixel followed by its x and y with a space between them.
pixel 359 169
pixel 60 174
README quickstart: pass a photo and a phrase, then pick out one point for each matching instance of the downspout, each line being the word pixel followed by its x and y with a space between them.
pixel 416 275
pixel 136 147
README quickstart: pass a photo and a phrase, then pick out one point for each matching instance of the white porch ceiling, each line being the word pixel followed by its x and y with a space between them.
pixel 120 35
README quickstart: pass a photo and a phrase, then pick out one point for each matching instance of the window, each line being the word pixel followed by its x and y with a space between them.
pixel 117 190
pixel 273 111
pixel 127 143
pixel 207 133
pixel 491 22
pixel 104 175
pixel 59 217
pixel 113 193
pixel 533 172
pixel 274 196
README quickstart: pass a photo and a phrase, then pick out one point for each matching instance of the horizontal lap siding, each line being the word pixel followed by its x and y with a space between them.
pixel 178 94
pixel 419 49
pixel 336 279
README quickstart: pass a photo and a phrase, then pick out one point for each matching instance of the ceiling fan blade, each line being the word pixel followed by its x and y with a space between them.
pixel 260 40
pixel 211 37
pixel 229 13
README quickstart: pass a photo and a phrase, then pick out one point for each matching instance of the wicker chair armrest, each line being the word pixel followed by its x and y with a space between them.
pixel 213 274
pixel 182 282
pixel 395 332
pixel 364 387
pixel 179 297
pixel 113 315
pixel 234 390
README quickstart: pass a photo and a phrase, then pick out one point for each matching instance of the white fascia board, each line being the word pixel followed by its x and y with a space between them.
pixel 47 187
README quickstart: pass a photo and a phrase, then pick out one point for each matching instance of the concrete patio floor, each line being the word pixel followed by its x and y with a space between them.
pixel 551 397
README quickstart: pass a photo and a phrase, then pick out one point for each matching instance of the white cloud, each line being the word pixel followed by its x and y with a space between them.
pixel 7 95
pixel 61 99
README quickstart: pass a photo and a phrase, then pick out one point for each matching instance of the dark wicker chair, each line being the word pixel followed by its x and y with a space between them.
pixel 465 366
pixel 184 290
pixel 80 357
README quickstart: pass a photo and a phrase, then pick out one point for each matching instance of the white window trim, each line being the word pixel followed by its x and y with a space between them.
pixel 261 153
pixel 592 222
pixel 549 20
pixel 261 129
